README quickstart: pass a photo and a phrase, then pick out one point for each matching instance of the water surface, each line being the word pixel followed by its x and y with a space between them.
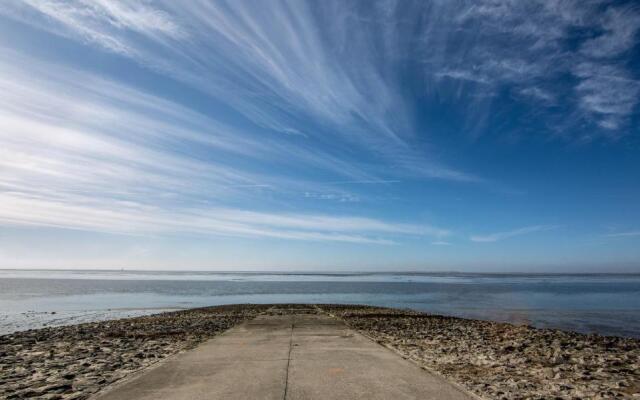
pixel 605 304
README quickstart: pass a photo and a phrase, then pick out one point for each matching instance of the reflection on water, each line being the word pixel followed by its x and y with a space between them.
pixel 605 304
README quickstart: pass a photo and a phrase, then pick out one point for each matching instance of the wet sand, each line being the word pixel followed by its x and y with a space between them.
pixel 493 360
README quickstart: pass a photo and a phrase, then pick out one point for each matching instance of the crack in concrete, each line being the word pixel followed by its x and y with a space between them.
pixel 286 380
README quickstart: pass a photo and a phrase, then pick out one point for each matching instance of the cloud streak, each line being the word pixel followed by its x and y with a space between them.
pixel 279 76
pixel 126 217
pixel 86 153
pixel 303 67
pixel 498 236
pixel 288 117
pixel 623 234
pixel 528 47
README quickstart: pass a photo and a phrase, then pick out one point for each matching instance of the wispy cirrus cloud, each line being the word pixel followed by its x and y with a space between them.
pixel 280 76
pixel 99 21
pixel 342 198
pixel 322 101
pixel 619 27
pixel 85 153
pixel 528 47
pixel 606 92
pixel 538 94
pixel 133 218
pixel 498 236
pixel 623 234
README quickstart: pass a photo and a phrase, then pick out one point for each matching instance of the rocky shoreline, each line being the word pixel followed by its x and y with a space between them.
pixel 505 361
pixel 492 360
pixel 73 362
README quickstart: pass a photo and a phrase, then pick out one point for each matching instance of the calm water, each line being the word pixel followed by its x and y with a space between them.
pixel 606 304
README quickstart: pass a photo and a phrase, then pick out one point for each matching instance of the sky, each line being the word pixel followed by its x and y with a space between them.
pixel 440 135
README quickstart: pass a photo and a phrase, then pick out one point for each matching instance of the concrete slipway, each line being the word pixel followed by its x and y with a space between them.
pixel 297 355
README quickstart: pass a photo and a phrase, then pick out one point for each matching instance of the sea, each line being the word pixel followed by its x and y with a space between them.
pixel 605 304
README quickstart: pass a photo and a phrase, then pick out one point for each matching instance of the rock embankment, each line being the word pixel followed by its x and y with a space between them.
pixel 72 362
pixel 504 361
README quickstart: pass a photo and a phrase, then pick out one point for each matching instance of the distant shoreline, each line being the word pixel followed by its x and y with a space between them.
pixel 321 273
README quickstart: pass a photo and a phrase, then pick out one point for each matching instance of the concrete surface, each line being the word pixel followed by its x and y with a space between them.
pixel 295 356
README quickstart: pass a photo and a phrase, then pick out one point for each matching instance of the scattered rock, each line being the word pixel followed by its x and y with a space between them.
pixel 504 361
pixel 72 362
pixel 493 360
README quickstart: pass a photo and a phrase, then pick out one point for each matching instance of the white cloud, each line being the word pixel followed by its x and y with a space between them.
pixel 607 92
pixel 530 45
pixel 623 234
pixel 276 74
pixel 495 237
pixel 465 75
pixel 319 62
pixel 339 197
pixel 105 23
pixel 313 83
pixel 126 217
pixel 538 94
pixel 82 152
pixel 620 26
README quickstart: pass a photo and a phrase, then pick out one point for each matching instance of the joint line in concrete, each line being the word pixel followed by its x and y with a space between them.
pixel 286 380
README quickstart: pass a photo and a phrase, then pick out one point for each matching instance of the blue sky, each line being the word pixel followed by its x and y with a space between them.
pixel 332 135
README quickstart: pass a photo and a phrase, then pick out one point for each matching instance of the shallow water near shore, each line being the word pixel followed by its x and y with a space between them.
pixel 601 303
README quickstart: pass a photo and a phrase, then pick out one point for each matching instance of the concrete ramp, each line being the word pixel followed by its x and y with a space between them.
pixel 292 356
